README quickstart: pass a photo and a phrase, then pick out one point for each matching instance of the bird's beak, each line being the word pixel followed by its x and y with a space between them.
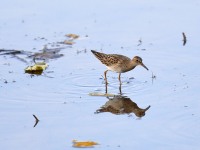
pixel 144 66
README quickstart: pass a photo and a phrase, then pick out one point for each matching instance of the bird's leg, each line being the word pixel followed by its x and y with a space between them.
pixel 120 78
pixel 120 89
pixel 106 86
pixel 105 78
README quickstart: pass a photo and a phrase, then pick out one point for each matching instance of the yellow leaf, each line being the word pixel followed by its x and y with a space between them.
pixel 74 36
pixel 101 94
pixel 68 42
pixel 37 68
pixel 84 143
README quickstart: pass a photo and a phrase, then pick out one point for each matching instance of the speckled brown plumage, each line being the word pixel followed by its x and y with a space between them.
pixel 118 63
pixel 110 59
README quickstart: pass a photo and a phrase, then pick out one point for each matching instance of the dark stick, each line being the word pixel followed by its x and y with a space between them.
pixel 36 120
pixel 184 39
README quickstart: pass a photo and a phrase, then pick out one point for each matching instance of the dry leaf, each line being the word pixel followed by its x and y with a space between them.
pixel 101 94
pixel 38 68
pixel 73 36
pixel 68 42
pixel 84 144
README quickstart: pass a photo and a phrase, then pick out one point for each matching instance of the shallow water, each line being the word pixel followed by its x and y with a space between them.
pixel 60 96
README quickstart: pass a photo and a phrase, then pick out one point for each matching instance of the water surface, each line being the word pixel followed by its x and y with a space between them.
pixel 60 96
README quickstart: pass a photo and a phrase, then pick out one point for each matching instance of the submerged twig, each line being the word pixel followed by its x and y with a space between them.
pixel 21 59
pixel 140 42
pixel 153 77
pixel 36 120
pixel 184 39
pixel 10 52
pixel 13 52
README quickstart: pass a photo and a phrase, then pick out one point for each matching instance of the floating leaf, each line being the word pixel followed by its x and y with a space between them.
pixel 38 68
pixel 73 36
pixel 83 144
pixel 69 42
pixel 101 94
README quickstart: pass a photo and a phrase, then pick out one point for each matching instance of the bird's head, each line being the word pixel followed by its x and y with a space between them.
pixel 138 61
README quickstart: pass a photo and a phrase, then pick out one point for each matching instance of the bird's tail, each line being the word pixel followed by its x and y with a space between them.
pixel 100 56
pixel 97 54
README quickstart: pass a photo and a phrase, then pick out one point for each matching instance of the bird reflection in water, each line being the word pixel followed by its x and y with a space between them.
pixel 122 105
pixel 120 89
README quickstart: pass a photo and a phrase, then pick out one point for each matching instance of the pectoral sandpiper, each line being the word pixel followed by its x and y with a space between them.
pixel 118 63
